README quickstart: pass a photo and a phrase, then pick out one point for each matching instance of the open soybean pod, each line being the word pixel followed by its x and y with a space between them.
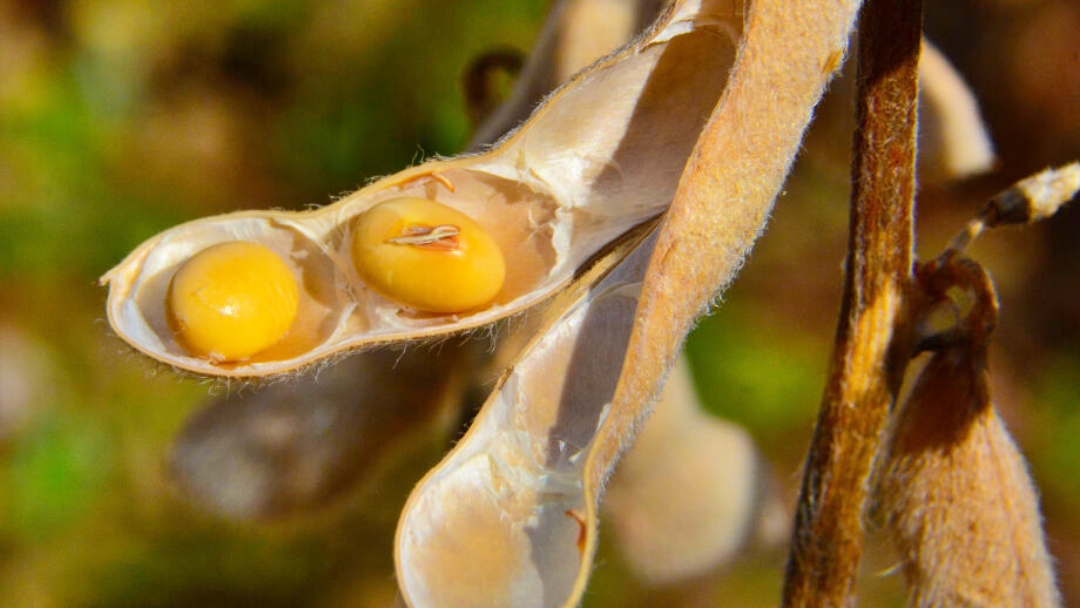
pixel 603 154
pixel 501 520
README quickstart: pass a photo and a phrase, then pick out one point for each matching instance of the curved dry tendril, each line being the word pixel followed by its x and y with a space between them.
pixel 955 303
pixel 1029 200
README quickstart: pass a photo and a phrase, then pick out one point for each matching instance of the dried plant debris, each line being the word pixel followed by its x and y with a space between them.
pixel 956 494
pixel 1034 198
pixel 954 490
pixel 1029 200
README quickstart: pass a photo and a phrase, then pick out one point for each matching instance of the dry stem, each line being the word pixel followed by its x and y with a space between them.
pixel 871 343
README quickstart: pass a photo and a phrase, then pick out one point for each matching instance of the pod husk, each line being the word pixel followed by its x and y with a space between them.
pixel 500 521
pixel 602 154
pixel 960 504
pixel 291 447
pixel 787 54
pixel 505 519
pixel 720 207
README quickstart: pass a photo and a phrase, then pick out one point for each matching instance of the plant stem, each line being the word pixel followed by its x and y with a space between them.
pixel 872 341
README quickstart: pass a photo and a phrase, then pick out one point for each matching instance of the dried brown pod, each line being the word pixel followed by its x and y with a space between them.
pixel 955 492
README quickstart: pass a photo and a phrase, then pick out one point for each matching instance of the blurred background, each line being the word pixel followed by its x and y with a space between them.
pixel 120 118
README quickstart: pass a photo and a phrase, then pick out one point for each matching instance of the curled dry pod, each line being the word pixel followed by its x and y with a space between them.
pixel 603 154
pixel 499 522
pixel 955 492
pixel 961 506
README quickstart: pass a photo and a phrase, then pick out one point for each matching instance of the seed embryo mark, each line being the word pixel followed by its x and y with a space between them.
pixel 437 238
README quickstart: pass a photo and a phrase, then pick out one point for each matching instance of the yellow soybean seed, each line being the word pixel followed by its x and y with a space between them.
pixel 231 301
pixel 426 255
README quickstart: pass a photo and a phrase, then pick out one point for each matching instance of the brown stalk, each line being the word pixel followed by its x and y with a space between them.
pixel 872 341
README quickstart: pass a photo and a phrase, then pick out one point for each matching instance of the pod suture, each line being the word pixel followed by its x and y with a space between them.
pixel 338 310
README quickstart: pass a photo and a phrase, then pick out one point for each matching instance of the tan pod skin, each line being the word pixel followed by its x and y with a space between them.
pixel 603 154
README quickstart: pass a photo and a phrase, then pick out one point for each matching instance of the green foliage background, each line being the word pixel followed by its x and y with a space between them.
pixel 119 118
